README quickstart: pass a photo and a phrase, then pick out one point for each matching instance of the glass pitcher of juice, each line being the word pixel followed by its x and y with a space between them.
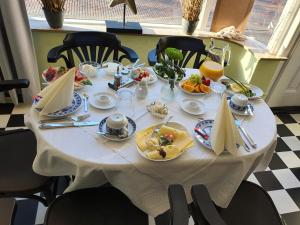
pixel 219 54
pixel 213 67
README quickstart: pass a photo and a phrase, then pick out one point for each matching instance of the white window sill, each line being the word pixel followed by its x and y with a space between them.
pixel 71 25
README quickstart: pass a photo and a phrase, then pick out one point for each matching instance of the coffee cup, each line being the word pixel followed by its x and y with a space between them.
pixel 238 102
pixel 117 124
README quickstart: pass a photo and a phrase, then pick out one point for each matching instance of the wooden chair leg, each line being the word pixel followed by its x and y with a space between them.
pixel 7 206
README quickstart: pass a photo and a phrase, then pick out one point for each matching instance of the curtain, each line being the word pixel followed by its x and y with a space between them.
pixel 18 59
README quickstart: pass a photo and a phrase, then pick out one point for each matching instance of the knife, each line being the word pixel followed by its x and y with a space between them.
pixel 201 132
pixel 67 124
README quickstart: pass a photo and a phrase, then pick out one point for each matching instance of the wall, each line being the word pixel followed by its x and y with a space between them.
pixel 244 65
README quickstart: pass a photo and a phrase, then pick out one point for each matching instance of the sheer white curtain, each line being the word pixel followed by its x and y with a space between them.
pixel 20 45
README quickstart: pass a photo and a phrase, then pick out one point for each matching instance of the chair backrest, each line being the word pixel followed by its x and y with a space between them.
pixel 188 45
pixel 90 46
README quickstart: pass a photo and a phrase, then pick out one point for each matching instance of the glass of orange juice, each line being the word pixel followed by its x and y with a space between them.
pixel 212 70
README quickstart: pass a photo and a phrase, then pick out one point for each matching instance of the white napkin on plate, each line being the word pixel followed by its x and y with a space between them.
pixel 224 133
pixel 57 95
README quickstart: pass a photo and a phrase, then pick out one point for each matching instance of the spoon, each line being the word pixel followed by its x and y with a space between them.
pixel 85 102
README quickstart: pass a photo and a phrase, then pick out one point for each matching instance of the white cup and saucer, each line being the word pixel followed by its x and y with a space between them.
pixel 240 105
pixel 103 100
pixel 192 106
pixel 117 124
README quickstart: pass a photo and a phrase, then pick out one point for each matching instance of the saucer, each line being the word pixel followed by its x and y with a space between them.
pixel 103 132
pixel 112 100
pixel 185 106
pixel 241 113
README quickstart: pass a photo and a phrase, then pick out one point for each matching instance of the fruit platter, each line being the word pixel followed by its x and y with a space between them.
pixel 195 85
pixel 53 73
pixel 143 73
pixel 234 86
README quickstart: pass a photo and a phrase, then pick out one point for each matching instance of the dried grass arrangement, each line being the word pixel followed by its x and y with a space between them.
pixel 191 9
pixel 54 6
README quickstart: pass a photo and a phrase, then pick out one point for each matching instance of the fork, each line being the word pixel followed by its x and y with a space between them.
pixel 244 132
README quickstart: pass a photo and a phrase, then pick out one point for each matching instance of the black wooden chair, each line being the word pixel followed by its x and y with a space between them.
pixel 17 152
pixel 109 206
pixel 188 45
pixel 251 205
pixel 91 46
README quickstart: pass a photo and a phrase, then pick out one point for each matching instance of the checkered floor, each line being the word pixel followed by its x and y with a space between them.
pixel 281 179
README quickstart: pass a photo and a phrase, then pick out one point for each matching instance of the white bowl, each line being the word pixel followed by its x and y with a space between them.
pixel 89 68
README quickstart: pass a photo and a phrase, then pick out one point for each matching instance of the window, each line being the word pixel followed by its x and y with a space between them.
pixel 267 21
pixel 149 11
pixel 264 18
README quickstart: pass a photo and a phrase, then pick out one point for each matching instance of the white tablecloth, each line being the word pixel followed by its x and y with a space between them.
pixel 94 160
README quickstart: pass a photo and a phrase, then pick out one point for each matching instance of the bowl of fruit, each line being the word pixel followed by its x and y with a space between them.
pixel 195 85
pixel 53 73
pixel 143 73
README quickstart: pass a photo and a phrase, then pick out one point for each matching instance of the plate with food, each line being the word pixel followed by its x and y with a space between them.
pixel 163 70
pixel 143 73
pixel 53 73
pixel 195 85
pixel 163 142
pixel 234 86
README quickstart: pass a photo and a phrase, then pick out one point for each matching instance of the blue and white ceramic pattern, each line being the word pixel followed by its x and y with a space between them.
pixel 244 112
pixel 105 134
pixel 206 126
pixel 76 103
pixel 237 107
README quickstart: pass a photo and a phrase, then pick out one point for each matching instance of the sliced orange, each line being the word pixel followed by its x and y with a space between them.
pixel 189 88
pixel 197 88
pixel 204 88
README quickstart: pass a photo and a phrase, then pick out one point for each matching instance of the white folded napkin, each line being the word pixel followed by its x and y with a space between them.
pixel 224 133
pixel 57 95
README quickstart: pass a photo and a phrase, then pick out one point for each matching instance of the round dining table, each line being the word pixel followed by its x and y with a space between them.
pixel 93 160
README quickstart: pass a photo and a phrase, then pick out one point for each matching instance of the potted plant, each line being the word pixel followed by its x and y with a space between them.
pixel 190 13
pixel 54 12
pixel 167 69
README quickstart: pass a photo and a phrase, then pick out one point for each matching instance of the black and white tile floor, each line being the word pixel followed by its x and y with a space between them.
pixel 281 179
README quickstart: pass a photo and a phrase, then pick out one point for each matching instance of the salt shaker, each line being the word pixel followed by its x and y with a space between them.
pixel 141 90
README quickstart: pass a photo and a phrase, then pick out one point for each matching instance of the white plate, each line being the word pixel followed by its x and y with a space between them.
pixel 241 113
pixel 256 90
pixel 206 126
pixel 184 106
pixel 76 103
pixel 131 130
pixel 170 124
pixel 187 92
pixel 112 97
pixel 152 75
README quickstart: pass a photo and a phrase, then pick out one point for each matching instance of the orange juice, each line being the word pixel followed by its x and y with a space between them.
pixel 211 69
